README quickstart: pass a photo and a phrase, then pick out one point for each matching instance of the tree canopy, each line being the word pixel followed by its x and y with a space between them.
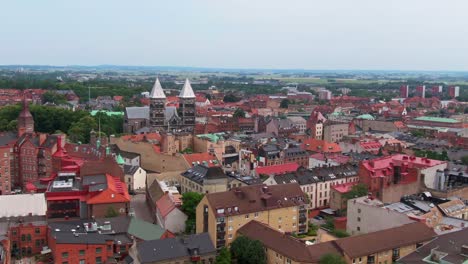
pixel 190 200
pixel 224 256
pixel 248 251
pixel 239 113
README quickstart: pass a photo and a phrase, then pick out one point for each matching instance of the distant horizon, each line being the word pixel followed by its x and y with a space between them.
pixel 226 68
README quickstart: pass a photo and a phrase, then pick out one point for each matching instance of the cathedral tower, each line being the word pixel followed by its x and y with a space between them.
pixel 157 105
pixel 187 105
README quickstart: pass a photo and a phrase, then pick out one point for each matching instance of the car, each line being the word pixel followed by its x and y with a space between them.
pixel 318 217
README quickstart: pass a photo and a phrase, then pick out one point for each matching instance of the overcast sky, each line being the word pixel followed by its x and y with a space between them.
pixel 308 34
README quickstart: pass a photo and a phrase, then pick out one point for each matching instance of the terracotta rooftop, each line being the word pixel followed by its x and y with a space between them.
pixel 312 144
pixel 388 239
pixel 201 158
pixel 285 244
pixel 277 169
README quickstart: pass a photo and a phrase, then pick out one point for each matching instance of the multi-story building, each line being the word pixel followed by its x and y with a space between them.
pixel 282 207
pixel 421 91
pixel 317 182
pixel 392 177
pixel 404 91
pixel 454 91
pixel 437 90
pixel 6 159
pixel 325 95
pixel 335 131
pixel 204 179
pixel 315 125
pixel 386 246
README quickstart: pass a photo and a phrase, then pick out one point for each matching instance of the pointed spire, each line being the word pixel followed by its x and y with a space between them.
pixel 187 91
pixel 157 92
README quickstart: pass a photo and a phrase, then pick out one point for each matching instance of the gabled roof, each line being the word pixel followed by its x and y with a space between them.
pixel 157 92
pixel 371 243
pixel 165 205
pixel 187 91
pixel 204 158
pixel 116 192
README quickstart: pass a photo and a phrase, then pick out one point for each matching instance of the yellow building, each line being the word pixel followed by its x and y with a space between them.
pixel 221 214
pixel 381 247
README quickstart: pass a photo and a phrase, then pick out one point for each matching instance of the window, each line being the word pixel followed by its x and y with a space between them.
pixel 247 216
pixel 98 250
pixel 98 260
pixel 82 252
pixel 37 230
pixel 396 253
pixel 23 237
pixel 256 214
pixel 358 228
pixel 359 210
pixel 38 243
pixel 14 232
pixel 29 237
pixel 123 248
pixel 64 254
pixel 230 228
pixel 359 219
pixel 65 262
pixel 230 236
pixel 82 261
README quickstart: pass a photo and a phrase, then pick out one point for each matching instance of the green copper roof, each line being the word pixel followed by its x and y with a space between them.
pixel 215 137
pixel 119 160
pixel 108 113
pixel 437 119
pixel 366 116
pixel 144 230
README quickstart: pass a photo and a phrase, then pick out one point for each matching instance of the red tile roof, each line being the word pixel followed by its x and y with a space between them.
pixel 344 188
pixel 116 192
pixel 277 169
pixel 165 205
pixel 312 144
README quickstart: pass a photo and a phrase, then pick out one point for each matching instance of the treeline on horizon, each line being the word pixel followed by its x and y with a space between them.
pixel 128 89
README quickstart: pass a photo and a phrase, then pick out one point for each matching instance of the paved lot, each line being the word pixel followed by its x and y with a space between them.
pixel 140 207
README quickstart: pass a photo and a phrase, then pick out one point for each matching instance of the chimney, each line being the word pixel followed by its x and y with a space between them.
pixel 265 189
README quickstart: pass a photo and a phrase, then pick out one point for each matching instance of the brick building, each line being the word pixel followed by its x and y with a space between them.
pixel 391 177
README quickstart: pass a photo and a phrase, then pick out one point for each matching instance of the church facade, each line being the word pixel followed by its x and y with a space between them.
pixel 158 116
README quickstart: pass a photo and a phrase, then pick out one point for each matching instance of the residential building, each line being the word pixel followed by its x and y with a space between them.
pixel 449 248
pixel 299 122
pixel 176 142
pixel 168 214
pixel 454 91
pixel 367 215
pixel 392 177
pixel 384 246
pixel 338 199
pixel 283 207
pixel 325 95
pixel 276 169
pixel 437 90
pixel 135 177
pixel 315 125
pixel 421 91
pixel 404 91
pixel 455 208
pixel 335 131
pixel 203 179
pixel 196 248
pixel 317 182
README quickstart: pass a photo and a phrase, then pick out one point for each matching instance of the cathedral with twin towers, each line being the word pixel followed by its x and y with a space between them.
pixel 159 116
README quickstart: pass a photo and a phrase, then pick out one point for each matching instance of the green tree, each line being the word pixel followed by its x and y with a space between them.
pixel 224 256
pixel 248 251
pixel 331 258
pixel 190 200
pixel 53 97
pixel 464 160
pixel 80 131
pixel 239 113
pixel 111 212
pixel 284 103
pixel 12 125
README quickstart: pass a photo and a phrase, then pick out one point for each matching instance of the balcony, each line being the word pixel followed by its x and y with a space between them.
pixel 220 234
pixel 221 225
pixel 220 243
